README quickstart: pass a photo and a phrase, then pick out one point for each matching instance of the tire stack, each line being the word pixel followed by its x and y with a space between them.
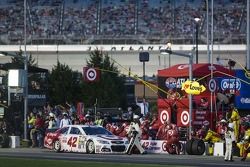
pixel 195 147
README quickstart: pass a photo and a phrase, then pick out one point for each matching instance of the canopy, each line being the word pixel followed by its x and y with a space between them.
pixel 199 70
pixel 31 69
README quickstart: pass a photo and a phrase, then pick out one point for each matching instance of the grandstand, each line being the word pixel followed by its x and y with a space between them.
pixel 119 21
pixel 67 30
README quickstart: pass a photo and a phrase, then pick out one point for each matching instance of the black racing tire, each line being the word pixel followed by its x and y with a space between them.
pixel 189 144
pixel 57 146
pixel 90 147
pixel 198 147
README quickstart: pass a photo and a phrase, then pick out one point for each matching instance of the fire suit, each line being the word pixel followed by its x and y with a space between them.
pixel 229 139
pixel 134 133
pixel 235 118
pixel 212 137
pixel 145 128
pixel 162 132
pixel 173 144
pixel 246 144
pixel 123 130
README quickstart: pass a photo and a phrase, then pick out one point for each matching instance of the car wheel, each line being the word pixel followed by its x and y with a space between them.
pixel 198 147
pixel 90 147
pixel 57 146
pixel 189 147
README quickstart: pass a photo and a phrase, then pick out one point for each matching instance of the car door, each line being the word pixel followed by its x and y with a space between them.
pixel 75 140
pixel 63 138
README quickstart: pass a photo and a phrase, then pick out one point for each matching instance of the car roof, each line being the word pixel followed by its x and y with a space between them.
pixel 81 126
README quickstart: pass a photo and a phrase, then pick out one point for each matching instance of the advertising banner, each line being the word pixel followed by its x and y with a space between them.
pixel 242 101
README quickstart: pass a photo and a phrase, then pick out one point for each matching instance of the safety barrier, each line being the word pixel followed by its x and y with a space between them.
pixel 196 147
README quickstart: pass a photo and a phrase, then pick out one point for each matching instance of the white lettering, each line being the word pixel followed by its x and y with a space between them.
pixel 245 100
pixel 37 96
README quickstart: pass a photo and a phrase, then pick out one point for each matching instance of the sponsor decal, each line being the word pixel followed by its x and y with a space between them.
pixel 163 146
pixel 164 116
pixel 193 87
pixel 183 66
pixel 185 117
pixel 230 84
pixel 170 83
pixel 245 100
pixel 151 145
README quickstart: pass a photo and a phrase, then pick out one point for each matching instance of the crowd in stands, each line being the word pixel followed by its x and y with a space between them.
pixel 73 19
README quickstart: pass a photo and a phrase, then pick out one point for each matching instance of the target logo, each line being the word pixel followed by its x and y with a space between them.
pixel 185 118
pixel 91 74
pixel 170 132
pixel 164 146
pixel 164 116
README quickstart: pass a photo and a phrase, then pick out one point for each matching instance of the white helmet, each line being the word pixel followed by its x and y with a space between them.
pixel 51 114
pixel 231 125
pixel 136 117
pixel 223 121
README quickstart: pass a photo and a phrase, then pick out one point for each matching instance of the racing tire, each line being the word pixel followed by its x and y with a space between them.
pixel 198 147
pixel 189 147
pixel 90 147
pixel 57 146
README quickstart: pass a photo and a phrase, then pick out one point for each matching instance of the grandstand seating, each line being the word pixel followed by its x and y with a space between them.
pixel 119 21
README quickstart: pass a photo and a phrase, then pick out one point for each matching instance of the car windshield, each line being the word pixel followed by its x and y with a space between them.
pixel 96 131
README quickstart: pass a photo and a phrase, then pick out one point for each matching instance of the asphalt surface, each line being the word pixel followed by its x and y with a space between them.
pixel 162 159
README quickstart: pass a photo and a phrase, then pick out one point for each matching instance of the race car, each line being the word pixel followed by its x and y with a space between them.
pixel 86 139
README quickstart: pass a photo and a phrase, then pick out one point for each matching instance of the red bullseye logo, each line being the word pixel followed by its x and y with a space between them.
pixel 91 74
pixel 164 116
pixel 164 144
pixel 185 118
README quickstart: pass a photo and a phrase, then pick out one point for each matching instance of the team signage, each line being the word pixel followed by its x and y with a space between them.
pixel 242 101
pixel 164 116
pixel 90 74
pixel 212 85
pixel 233 84
pixel 159 146
pixel 193 87
pixel 185 117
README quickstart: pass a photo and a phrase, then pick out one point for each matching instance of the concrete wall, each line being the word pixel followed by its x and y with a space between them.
pixel 126 56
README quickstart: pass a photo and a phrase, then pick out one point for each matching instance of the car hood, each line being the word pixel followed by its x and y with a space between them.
pixel 109 137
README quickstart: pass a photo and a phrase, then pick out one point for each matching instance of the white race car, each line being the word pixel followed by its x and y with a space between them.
pixel 85 138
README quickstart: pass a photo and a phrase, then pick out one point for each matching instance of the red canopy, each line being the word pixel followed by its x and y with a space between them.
pixel 199 70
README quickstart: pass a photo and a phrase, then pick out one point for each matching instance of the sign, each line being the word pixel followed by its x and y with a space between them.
pixel 159 146
pixel 212 85
pixel 164 116
pixel 90 74
pixel 185 117
pixel 201 117
pixel 230 84
pixel 193 87
pixel 242 101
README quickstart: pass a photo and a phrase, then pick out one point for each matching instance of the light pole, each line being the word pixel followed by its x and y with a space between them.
pixel 190 56
pixel 25 87
pixel 144 57
pixel 197 21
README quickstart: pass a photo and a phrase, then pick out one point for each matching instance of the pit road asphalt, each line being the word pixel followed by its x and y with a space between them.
pixel 161 159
